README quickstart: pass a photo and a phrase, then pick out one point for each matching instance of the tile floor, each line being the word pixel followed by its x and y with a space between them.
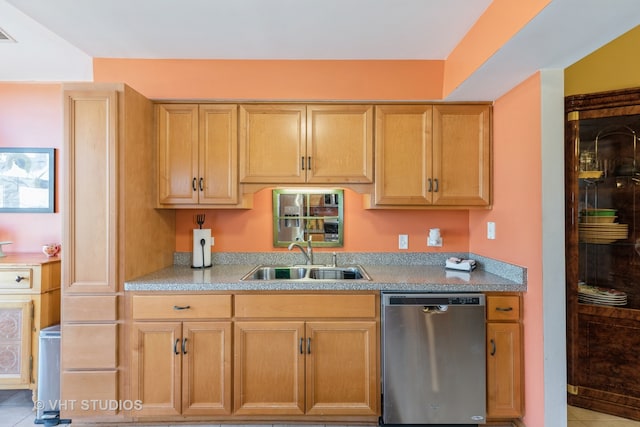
pixel 16 410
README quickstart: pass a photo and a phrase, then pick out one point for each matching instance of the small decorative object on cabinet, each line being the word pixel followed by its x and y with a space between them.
pixel 603 251
pixel 29 301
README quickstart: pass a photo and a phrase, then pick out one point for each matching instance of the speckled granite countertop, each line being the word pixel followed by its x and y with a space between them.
pixel 417 272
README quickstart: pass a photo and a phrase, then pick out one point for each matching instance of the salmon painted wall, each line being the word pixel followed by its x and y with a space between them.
pixel 31 116
pixel 497 25
pixel 251 230
pixel 613 66
pixel 276 80
pixel 517 213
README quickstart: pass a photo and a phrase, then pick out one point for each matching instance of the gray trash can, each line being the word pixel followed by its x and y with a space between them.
pixel 47 409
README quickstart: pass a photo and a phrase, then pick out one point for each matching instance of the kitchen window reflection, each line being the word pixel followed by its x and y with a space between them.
pixel 299 215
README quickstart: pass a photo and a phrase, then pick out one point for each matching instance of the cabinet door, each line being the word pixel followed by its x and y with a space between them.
pixel 15 343
pixel 206 368
pixel 403 155
pixel 177 133
pixel 340 143
pixel 504 370
pixel 156 367
pixel 461 153
pixel 269 368
pixel 341 368
pixel 272 143
pixel 218 160
pixel 91 178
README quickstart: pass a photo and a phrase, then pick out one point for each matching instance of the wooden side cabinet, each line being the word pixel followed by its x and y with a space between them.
pixel 505 389
pixel 29 302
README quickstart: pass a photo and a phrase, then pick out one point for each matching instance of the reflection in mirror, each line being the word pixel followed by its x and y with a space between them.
pixel 302 214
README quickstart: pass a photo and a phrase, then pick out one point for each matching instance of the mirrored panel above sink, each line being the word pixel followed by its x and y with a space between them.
pixel 306 273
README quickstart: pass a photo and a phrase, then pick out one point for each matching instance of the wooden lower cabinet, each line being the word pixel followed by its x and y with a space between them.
pixel 182 368
pixel 29 302
pixel 314 368
pixel 505 388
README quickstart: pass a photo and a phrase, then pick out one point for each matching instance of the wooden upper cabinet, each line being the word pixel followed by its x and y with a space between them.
pixel 285 144
pixel 462 155
pixel 339 143
pixel 433 155
pixel 177 130
pixel 272 143
pixel 403 154
pixel 218 148
pixel 197 154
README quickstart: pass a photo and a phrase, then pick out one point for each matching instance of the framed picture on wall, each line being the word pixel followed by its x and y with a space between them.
pixel 27 179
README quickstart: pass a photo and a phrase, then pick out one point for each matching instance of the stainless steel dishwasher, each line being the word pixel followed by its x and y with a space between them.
pixel 433 359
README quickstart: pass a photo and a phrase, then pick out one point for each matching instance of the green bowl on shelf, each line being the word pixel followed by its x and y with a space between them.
pixel 599 212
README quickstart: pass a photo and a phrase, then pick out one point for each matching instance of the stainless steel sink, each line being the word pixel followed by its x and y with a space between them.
pixel 306 273
pixel 276 272
pixel 342 273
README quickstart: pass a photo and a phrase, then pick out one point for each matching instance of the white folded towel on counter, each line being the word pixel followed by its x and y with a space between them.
pixel 460 264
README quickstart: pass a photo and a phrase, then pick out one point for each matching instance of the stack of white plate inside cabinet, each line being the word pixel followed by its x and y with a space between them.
pixel 602 233
pixel 601 296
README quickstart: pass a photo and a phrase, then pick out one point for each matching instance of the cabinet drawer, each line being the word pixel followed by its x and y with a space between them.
pixel 305 306
pixel 181 306
pixel 503 307
pixel 16 278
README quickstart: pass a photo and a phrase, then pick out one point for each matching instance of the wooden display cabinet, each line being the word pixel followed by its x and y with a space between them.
pixel 602 172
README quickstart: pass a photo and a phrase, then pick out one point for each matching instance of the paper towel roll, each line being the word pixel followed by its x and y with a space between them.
pixel 198 236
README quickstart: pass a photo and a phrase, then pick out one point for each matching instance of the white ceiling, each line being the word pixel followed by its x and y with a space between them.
pixel 55 40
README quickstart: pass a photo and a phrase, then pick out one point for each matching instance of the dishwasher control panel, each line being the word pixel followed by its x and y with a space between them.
pixel 421 299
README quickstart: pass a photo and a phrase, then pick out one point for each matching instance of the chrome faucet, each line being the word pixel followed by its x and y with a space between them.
pixel 308 253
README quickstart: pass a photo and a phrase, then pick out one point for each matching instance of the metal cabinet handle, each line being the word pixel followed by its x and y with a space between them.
pixel 437 187
pixel 175 346
pixel 504 308
pixel 430 188
pixel 302 162
pixel 308 345
pixel 20 279
pixel 181 307
pixel 193 184
pixel 201 184
pixel 184 346
pixel 309 163
pixel 493 347
pixel 300 346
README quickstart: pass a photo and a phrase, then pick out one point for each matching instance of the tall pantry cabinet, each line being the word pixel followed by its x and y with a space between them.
pixel 111 233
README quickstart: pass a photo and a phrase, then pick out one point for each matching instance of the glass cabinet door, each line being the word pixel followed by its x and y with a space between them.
pixel 608 208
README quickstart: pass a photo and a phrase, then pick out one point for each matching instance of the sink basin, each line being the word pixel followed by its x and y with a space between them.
pixel 306 273
pixel 342 273
pixel 276 272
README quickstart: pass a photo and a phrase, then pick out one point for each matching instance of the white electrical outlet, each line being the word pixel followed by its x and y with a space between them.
pixel 403 241
pixel 491 230
pixel 213 242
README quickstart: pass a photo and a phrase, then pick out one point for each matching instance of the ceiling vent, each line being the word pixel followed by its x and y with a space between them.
pixel 4 37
